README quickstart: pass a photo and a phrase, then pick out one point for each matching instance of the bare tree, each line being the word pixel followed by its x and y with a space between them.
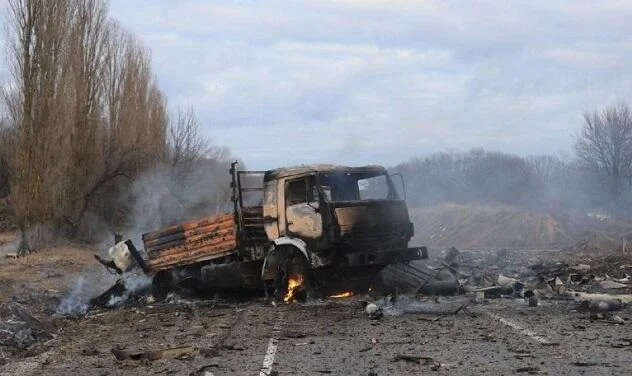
pixel 5 134
pixel 37 35
pixel 545 167
pixel 186 145
pixel 605 144
pixel 83 107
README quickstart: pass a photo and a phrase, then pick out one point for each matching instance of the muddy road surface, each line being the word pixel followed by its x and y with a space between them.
pixel 496 337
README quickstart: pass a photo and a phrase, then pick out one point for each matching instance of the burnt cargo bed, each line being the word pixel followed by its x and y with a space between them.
pixel 191 242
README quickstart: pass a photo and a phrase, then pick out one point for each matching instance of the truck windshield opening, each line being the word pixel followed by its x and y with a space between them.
pixel 349 186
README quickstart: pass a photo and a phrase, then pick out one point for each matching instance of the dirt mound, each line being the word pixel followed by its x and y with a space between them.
pixel 478 227
pixel 598 235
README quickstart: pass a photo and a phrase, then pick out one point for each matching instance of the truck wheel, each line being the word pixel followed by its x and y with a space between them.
pixel 287 273
pixel 161 285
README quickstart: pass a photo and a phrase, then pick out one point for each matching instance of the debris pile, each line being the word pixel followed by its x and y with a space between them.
pixel 597 285
pixel 19 330
pixel 128 290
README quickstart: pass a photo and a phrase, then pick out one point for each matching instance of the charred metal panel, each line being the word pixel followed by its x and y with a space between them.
pixel 377 226
pixel 190 242
pixel 281 207
pixel 371 214
pixel 304 221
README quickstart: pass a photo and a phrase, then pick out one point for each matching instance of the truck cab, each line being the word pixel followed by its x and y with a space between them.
pixel 338 215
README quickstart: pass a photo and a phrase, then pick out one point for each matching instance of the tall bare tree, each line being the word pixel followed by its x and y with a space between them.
pixel 605 144
pixel 186 145
pixel 84 109
pixel 5 170
pixel 37 48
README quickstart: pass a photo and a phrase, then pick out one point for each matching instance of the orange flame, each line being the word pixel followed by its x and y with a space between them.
pixel 345 294
pixel 292 284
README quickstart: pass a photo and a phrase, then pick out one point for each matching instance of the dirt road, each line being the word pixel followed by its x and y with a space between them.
pixel 335 337
pixel 253 337
pixel 504 337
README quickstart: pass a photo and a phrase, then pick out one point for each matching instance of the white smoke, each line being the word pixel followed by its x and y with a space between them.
pixel 76 300
pixel 84 288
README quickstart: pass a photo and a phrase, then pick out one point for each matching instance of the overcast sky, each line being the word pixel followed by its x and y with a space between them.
pixel 380 81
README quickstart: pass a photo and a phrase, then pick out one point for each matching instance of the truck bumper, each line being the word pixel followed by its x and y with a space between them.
pixel 387 257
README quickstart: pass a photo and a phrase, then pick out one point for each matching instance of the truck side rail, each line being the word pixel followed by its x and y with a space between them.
pixel 248 216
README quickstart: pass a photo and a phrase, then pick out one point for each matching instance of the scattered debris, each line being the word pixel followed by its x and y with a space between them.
pixel 373 310
pixel 623 342
pixel 170 353
pixel 423 360
pixel 600 305
pixel 581 296
pixel 585 364
pixel 608 284
pixel 19 329
pixel 530 370
pixel 607 318
pixel 533 301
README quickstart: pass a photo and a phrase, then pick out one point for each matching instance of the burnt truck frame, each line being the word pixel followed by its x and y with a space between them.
pixel 316 221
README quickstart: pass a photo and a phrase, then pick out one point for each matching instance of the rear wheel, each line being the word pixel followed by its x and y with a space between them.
pixel 162 285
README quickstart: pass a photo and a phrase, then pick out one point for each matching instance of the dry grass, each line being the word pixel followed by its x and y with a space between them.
pixel 47 271
pixel 8 237
pixel 479 226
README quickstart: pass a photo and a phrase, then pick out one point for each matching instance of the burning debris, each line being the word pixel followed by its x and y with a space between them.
pixel 341 295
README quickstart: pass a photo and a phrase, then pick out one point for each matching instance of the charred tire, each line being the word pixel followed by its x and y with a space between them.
pixel 162 284
pixel 282 264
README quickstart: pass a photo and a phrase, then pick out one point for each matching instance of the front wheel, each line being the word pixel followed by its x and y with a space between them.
pixel 288 274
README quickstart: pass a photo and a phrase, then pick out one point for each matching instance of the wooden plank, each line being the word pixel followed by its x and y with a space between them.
pixel 193 256
pixel 182 238
pixel 188 225
pixel 191 245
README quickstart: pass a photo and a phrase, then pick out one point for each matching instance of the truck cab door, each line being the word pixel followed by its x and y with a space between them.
pixel 270 209
pixel 302 211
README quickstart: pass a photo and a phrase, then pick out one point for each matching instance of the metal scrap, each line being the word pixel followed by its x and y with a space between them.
pixel 423 360
pixel 170 353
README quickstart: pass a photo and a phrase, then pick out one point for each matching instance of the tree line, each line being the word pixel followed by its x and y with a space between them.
pixel 83 117
pixel 597 177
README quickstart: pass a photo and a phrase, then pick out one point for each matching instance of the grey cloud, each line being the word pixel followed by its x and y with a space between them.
pixel 380 81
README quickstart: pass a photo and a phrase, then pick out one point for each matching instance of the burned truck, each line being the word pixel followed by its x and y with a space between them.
pixel 314 228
